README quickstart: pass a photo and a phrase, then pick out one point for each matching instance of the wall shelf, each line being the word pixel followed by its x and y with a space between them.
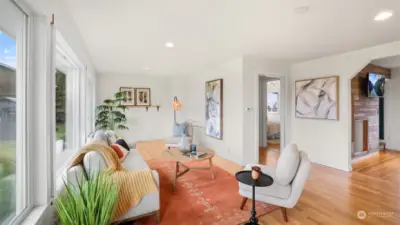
pixel 145 106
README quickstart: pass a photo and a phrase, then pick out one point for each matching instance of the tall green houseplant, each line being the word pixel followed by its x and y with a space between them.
pixel 111 114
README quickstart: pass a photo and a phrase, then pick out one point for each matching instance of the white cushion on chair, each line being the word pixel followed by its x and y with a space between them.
pixel 287 165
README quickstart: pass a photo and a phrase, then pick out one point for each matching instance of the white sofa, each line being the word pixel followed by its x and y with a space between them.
pixel 94 162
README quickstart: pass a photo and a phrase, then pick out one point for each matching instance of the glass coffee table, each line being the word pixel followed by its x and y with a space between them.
pixel 174 154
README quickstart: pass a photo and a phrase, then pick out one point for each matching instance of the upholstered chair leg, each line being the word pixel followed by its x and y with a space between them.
pixel 158 217
pixel 284 214
pixel 244 200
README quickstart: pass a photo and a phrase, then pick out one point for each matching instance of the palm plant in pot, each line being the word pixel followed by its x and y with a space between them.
pixel 91 202
pixel 111 114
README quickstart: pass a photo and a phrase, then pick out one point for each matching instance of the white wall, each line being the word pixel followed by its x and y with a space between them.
pixel 274 117
pixel 143 125
pixel 392 111
pixel 193 103
pixel 329 142
pixel 65 24
pixel 253 67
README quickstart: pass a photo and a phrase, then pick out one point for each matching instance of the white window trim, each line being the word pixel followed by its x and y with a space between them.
pixel 24 202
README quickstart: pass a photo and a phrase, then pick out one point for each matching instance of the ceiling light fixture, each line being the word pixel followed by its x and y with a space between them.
pixel 383 15
pixel 146 68
pixel 302 9
pixel 169 45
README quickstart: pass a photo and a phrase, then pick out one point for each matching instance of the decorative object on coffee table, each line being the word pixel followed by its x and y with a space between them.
pixel 174 154
pixel 255 178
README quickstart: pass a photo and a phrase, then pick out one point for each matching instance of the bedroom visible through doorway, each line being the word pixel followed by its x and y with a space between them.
pixel 270 116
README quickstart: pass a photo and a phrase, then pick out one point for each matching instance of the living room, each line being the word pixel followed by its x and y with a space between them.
pixel 184 75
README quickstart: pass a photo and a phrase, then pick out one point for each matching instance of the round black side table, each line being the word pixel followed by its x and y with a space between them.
pixel 264 180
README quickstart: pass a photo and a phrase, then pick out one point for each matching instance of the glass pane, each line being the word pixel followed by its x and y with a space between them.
pixel 60 111
pixel 12 129
pixel 7 126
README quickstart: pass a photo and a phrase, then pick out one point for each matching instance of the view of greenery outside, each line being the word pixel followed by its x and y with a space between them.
pixel 8 112
pixel 60 106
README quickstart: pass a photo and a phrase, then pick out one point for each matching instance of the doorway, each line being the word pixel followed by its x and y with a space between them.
pixel 271 116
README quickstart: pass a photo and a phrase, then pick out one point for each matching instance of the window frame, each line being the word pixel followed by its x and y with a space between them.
pixel 24 192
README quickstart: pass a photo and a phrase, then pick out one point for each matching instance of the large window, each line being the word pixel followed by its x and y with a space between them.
pixel 13 183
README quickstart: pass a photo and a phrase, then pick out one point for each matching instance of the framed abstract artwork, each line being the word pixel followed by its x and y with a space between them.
pixel 213 108
pixel 142 97
pixel 317 98
pixel 129 95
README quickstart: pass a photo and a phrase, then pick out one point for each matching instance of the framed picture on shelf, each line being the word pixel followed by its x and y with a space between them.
pixel 129 95
pixel 142 97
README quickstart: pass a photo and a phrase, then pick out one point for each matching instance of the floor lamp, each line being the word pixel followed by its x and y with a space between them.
pixel 176 105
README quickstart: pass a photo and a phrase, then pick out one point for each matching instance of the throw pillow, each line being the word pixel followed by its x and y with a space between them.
pixel 287 165
pixel 111 136
pixel 122 152
pixel 117 150
pixel 99 136
pixel 180 129
pixel 123 144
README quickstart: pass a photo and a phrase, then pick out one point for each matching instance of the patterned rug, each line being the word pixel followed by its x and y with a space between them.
pixel 199 200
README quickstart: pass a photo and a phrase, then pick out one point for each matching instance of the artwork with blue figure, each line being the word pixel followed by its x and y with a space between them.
pixel 213 109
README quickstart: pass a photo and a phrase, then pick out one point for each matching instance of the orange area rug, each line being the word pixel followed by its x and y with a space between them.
pixel 200 200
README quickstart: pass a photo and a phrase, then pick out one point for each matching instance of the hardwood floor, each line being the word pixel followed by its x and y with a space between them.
pixel 331 196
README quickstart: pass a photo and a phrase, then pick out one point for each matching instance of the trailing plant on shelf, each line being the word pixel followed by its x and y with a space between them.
pixel 111 114
pixel 90 202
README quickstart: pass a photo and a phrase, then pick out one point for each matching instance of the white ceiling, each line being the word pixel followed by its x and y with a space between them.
pixel 125 36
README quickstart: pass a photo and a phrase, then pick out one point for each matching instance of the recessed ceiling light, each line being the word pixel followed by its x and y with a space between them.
pixel 146 68
pixel 169 45
pixel 383 15
pixel 302 9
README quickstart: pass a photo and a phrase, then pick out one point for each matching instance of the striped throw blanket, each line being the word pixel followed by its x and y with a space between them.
pixel 133 185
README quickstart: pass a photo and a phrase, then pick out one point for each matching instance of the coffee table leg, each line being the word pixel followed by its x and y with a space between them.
pixel 176 175
pixel 211 168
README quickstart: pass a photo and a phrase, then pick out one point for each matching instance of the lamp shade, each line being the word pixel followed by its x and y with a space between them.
pixel 176 105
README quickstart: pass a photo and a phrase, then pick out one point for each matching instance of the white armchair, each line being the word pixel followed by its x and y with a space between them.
pixel 290 175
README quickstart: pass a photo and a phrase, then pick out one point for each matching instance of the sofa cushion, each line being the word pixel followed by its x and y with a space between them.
pixel 94 163
pixel 118 149
pixel 275 190
pixel 134 161
pixel 123 144
pixel 149 203
pixel 99 136
pixel 75 176
pixel 287 164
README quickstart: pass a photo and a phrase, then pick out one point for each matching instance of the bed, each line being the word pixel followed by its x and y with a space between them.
pixel 274 130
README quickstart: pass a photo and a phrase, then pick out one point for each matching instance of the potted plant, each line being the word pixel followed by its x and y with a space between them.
pixel 91 202
pixel 111 114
